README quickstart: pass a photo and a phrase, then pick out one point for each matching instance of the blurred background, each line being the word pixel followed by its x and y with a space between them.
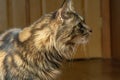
pixel 103 16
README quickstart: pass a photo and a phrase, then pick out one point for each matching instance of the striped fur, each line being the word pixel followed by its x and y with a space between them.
pixel 37 51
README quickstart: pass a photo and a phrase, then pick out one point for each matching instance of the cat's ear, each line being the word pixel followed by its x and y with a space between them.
pixel 66 8
pixel 25 34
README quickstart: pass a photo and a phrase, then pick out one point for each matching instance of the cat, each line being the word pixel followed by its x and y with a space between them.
pixel 38 51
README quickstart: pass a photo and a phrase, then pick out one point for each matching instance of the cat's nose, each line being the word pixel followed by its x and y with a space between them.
pixel 90 30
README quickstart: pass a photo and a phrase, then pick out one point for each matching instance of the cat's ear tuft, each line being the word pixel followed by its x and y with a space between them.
pixel 25 34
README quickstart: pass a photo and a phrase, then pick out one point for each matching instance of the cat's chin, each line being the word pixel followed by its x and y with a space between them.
pixel 84 41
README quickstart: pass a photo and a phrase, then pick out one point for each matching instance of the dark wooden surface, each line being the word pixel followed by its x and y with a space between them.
pixel 91 70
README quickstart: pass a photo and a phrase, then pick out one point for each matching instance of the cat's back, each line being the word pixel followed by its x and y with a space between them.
pixel 8 38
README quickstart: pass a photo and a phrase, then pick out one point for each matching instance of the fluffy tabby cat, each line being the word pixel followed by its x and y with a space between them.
pixel 37 51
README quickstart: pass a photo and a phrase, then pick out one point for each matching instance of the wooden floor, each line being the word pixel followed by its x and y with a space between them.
pixel 91 70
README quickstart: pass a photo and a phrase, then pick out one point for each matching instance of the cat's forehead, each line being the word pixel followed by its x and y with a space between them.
pixel 79 17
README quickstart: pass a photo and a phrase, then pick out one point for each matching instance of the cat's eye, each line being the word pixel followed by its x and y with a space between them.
pixel 81 28
pixel 83 21
pixel 79 24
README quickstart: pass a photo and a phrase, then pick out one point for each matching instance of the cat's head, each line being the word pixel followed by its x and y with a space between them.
pixel 63 28
pixel 73 28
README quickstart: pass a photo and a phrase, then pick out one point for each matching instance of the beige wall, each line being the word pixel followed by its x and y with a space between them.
pixel 3 15
pixel 94 20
